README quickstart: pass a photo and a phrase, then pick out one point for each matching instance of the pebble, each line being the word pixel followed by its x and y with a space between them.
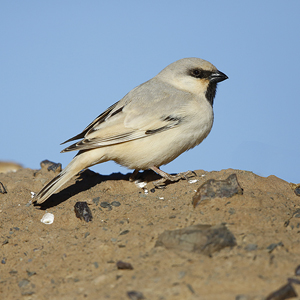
pixel 297 271
pixel 285 292
pixel 251 247
pixel 124 232
pixel 96 200
pixel 105 204
pixel 23 283
pixel 116 203
pixel 47 218
pixel 121 265
pixel 51 166
pixel 2 188
pixel 135 295
pixel 205 239
pixel 83 212
pixel 217 189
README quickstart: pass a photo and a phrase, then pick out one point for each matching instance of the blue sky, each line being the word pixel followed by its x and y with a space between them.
pixel 64 62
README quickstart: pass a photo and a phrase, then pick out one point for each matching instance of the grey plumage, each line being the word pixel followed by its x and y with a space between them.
pixel 153 124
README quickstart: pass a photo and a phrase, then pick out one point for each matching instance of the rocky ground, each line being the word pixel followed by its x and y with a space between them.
pixel 119 254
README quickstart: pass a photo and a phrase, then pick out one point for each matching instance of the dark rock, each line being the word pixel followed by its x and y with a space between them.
pixel 96 200
pixel 116 203
pixel 297 191
pixel 285 292
pixel 23 283
pixel 29 273
pixel 293 280
pixel 124 232
pixel 135 295
pixel 121 265
pixel 205 239
pixel 105 204
pixel 190 288
pixel 272 246
pixel 217 189
pixel 2 189
pixel 51 166
pixel 251 247
pixel 83 212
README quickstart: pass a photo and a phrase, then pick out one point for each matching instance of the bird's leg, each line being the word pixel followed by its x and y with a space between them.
pixel 167 177
pixel 133 175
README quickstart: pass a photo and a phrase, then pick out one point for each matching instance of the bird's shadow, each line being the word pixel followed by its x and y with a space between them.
pixel 88 179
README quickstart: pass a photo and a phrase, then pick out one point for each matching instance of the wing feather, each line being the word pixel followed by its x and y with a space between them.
pixel 136 116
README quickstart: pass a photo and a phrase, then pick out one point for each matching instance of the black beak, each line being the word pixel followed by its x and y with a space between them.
pixel 217 76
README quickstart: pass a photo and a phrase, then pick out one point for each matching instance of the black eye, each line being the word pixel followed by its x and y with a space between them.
pixel 196 73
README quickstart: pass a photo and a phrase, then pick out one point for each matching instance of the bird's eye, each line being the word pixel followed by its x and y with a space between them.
pixel 196 73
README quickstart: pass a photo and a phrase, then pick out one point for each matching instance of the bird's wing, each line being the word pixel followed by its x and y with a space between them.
pixel 146 110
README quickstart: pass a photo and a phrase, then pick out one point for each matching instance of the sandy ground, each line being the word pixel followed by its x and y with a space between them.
pixel 73 259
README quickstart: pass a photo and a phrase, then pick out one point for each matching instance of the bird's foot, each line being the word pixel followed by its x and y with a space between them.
pixel 173 178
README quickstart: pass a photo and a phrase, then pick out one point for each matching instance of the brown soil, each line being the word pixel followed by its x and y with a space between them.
pixel 73 259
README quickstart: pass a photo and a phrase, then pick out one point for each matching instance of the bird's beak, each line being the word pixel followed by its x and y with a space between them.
pixel 217 76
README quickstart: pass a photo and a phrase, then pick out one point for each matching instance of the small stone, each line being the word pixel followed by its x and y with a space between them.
pixel 217 189
pixel 297 271
pixel 96 200
pixel 124 232
pixel 241 297
pixel 285 292
pixel 29 273
pixel 190 288
pixel 121 265
pixel 135 295
pixel 3 261
pixel 2 189
pixel 105 204
pixel 23 283
pixel 297 191
pixel 251 247
pixel 205 239
pixel 96 265
pixel 27 293
pixel 116 203
pixel 51 166
pixel 231 211
pixel 83 212
pixel 272 246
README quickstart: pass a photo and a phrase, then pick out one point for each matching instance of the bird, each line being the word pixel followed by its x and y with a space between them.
pixel 150 126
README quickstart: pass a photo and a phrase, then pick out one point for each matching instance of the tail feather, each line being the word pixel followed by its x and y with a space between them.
pixel 65 175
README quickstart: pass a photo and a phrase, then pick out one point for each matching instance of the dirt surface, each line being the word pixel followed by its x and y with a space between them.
pixel 73 259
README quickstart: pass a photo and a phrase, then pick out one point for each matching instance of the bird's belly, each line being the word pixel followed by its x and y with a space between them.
pixel 161 148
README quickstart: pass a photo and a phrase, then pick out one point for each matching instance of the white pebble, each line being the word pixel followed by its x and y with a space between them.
pixel 193 180
pixel 47 218
pixel 140 184
pixel 33 194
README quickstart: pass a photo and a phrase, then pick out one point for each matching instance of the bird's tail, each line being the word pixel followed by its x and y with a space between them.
pixel 74 167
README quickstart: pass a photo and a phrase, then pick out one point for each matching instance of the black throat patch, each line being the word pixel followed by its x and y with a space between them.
pixel 211 92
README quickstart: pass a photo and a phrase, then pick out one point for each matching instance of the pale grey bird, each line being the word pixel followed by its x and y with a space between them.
pixel 151 126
